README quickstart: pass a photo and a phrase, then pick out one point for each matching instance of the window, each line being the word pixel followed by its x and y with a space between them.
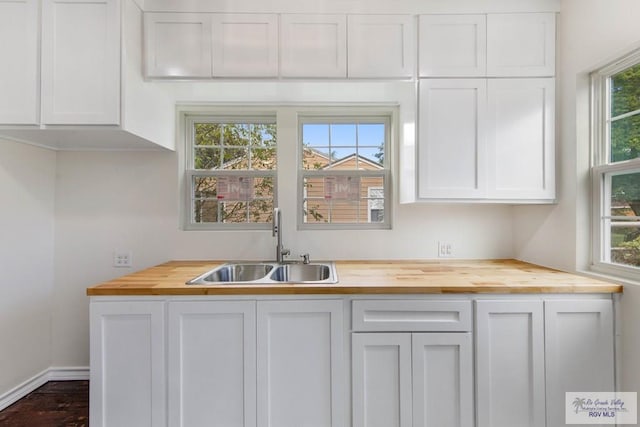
pixel 231 171
pixel 344 172
pixel 616 170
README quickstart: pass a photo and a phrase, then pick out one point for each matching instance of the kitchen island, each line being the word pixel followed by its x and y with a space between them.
pixel 399 343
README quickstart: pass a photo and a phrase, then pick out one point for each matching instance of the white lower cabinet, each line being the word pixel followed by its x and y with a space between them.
pixel 263 362
pixel 128 371
pixel 442 379
pixel 300 363
pixel 419 379
pixel 412 363
pixel 381 372
pixel 529 353
pixel 579 351
pixel 212 364
pixel 510 363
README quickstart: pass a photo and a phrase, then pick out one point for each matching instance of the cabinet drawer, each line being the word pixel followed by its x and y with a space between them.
pixel 411 315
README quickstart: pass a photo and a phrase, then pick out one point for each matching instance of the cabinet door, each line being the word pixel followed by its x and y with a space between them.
pixel 177 44
pixel 451 147
pixel 579 351
pixel 245 45
pixel 127 364
pixel 510 364
pixel 313 45
pixel 381 371
pixel 521 139
pixel 300 363
pixel 212 364
pixel 19 77
pixel 452 46
pixel 442 380
pixel 521 45
pixel 81 62
pixel 381 46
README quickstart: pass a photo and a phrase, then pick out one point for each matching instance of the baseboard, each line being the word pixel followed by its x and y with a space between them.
pixel 51 374
pixel 75 373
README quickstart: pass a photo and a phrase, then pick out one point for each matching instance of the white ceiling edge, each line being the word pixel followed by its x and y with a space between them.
pixel 352 6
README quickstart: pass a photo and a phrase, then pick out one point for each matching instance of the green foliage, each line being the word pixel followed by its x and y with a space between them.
pixel 234 147
pixel 626 189
pixel 633 244
pixel 625 98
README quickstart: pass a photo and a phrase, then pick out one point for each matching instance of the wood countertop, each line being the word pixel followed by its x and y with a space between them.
pixel 369 277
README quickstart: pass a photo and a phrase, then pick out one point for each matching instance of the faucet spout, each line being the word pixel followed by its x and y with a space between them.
pixel 276 229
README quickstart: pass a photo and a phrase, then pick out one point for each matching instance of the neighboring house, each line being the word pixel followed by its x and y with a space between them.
pixel 368 208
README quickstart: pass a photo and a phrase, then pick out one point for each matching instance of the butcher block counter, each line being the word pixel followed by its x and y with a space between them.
pixel 369 277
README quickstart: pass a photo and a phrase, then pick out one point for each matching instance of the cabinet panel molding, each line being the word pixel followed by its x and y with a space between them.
pixel 127 354
pixel 177 44
pixel 521 138
pixel 245 45
pixel 579 351
pixel 452 138
pixel 300 363
pixel 521 44
pixel 381 371
pixel 452 45
pixel 81 62
pixel 442 380
pixel 411 315
pixel 381 46
pixel 212 363
pixel 313 45
pixel 510 364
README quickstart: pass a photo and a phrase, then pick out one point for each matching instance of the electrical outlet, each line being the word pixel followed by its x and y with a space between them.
pixel 445 250
pixel 121 258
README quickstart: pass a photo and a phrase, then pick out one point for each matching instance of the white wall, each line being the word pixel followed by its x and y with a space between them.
pixel 591 33
pixel 27 180
pixel 130 201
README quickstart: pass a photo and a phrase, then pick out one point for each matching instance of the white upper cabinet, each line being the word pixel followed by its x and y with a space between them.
pixel 381 46
pixel 493 45
pixel 178 44
pixel 521 45
pixel 19 102
pixel 245 45
pixel 452 142
pixel 313 45
pixel 81 62
pixel 521 139
pixel 487 139
pixel 452 45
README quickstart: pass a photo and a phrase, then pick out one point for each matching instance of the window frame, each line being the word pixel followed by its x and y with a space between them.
pixel 188 120
pixel 354 117
pixel 603 168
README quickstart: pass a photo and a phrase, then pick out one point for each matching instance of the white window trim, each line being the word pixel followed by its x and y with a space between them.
pixel 602 169
pixel 355 116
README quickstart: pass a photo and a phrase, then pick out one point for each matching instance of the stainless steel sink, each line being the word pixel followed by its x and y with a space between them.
pixel 231 273
pixel 302 273
pixel 265 273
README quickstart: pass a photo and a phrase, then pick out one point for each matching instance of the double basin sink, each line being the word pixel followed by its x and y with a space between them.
pixel 256 273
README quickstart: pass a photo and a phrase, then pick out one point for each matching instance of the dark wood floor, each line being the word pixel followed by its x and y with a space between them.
pixel 55 404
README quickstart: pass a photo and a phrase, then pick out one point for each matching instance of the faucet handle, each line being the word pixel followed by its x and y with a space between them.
pixel 305 258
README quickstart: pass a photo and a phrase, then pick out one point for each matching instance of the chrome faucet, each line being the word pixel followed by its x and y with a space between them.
pixel 281 252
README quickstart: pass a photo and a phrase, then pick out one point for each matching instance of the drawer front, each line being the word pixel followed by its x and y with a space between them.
pixel 411 315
